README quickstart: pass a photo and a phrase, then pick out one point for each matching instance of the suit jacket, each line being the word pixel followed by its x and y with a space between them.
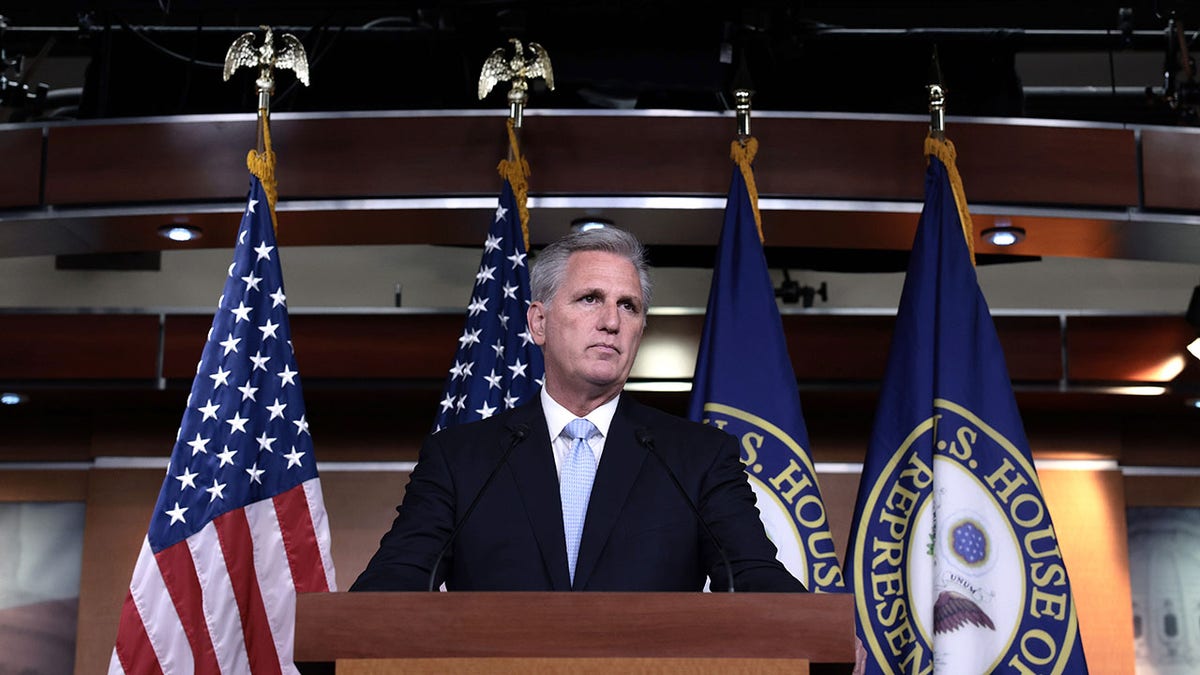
pixel 639 533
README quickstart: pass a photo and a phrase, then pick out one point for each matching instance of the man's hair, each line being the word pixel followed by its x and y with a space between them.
pixel 550 267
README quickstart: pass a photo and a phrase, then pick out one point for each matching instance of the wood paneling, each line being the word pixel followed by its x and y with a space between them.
pixel 1119 349
pixel 449 155
pixel 333 626
pixel 22 153
pixel 360 347
pixel 147 161
pixel 78 347
pixel 402 156
pixel 419 347
pixel 592 666
pixel 1170 491
pixel 1171 169
pixel 43 485
pixel 1020 164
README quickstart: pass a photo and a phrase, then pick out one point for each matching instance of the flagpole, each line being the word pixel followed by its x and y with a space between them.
pixel 937 145
pixel 937 99
pixel 266 57
pixel 518 70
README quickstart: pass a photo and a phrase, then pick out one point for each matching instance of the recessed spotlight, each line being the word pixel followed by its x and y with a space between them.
pixel 1192 403
pixel 12 398
pixel 180 232
pixel 586 224
pixel 1003 236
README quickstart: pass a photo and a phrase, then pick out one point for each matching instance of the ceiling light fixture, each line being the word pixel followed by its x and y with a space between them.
pixel 590 223
pixel 1003 235
pixel 12 398
pixel 177 232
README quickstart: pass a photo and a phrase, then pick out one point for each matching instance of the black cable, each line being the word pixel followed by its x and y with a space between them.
pixel 191 60
pixel 187 79
pixel 316 58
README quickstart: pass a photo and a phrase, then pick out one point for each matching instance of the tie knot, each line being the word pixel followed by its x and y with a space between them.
pixel 580 429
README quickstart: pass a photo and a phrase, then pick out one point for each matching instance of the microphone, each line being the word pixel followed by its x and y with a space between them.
pixel 519 433
pixel 647 441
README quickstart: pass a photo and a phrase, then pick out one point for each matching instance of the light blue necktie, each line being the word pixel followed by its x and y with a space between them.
pixel 575 485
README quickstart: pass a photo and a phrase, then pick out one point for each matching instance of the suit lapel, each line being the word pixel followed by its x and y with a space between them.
pixel 534 471
pixel 618 469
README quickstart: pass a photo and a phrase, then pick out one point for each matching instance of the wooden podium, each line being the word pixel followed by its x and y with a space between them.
pixel 375 633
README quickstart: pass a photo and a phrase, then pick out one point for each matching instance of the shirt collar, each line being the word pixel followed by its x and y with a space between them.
pixel 558 417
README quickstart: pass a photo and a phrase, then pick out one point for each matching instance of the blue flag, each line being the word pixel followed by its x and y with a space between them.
pixel 744 384
pixel 496 366
pixel 953 558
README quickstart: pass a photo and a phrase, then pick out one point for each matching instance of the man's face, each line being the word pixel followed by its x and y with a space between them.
pixel 590 330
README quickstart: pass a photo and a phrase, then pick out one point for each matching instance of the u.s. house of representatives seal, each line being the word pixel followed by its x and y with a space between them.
pixel 789 500
pixel 956 563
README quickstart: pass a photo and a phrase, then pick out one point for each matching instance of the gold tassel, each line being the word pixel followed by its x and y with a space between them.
pixel 262 165
pixel 516 171
pixel 743 152
pixel 944 150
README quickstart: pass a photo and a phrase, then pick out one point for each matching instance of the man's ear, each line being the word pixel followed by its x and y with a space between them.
pixel 536 318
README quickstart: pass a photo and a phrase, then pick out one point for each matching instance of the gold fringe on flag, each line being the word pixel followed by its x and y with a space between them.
pixel 515 170
pixel 944 150
pixel 743 152
pixel 262 165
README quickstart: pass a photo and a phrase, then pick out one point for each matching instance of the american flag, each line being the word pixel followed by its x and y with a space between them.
pixel 497 366
pixel 240 523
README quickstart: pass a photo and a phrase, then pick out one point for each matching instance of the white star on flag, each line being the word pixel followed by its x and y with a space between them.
pixel 209 409
pixel 264 443
pixel 177 513
pixel 216 491
pixel 226 456
pixel 242 312
pixel 199 445
pixel 264 251
pixel 230 344
pixel 293 457
pixel 251 281
pixel 287 376
pixel 268 329
pixel 186 479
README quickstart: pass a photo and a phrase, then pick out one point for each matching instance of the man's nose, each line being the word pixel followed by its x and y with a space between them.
pixel 610 318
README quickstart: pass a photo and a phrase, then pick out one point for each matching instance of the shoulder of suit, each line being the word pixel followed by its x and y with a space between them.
pixel 665 425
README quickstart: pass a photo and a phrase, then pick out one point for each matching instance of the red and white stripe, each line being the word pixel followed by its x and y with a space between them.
pixel 224 600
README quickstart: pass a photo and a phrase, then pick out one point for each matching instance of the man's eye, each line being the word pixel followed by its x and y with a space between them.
pixel 588 299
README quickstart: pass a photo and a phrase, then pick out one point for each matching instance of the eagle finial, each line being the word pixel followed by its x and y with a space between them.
pixel 518 69
pixel 266 58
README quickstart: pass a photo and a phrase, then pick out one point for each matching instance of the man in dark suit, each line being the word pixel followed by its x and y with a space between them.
pixel 585 499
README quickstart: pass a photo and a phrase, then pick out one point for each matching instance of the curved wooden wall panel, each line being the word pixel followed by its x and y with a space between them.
pixel 22 153
pixel 1171 168
pixel 188 160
